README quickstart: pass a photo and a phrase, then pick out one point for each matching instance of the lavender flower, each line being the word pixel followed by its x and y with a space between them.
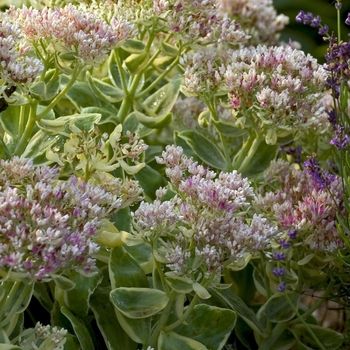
pixel 302 204
pixel 47 225
pixel 282 286
pixel 279 271
pixel 322 179
pixel 340 139
pixel 347 21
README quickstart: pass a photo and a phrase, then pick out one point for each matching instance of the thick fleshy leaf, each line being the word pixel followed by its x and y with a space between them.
pixel 124 271
pixel 143 254
pixel 204 149
pixel 9 119
pixel 277 308
pixel 78 298
pixel 154 122
pixel 38 145
pixel 81 121
pixel 172 341
pixel 132 124
pixel 107 115
pixel 133 46
pixel 209 325
pixel 180 284
pixel 113 71
pixel 261 159
pixel 138 329
pixel 138 302
pixel 80 329
pixel 329 338
pixel 162 101
pixel 201 291
pixel 235 303
pixel 114 335
pixel 228 129
pixel 80 94
pixel 104 91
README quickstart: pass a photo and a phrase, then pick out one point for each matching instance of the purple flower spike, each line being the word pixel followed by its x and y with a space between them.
pixel 279 255
pixel 347 21
pixel 279 271
pixel 323 30
pixel 292 234
pixel 282 286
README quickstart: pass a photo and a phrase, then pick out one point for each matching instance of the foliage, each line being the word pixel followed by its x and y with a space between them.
pixel 165 179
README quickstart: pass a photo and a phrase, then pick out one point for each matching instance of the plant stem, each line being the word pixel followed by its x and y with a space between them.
pixel 319 344
pixel 23 141
pixel 317 304
pixel 251 152
pixel 77 70
pixel 162 320
pixel 189 309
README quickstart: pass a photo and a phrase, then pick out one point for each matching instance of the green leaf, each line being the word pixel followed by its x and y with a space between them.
pixel 63 282
pixel 77 299
pixel 113 71
pixel 9 119
pixel 104 91
pixel 277 308
pixel 163 100
pixel 261 160
pixel 235 303
pixel 80 329
pixel 201 291
pixel 228 129
pixel 4 152
pixel 154 122
pixel 143 254
pixel 245 334
pixel 38 145
pixel 114 335
pixel 150 180
pixel 84 121
pixel 329 338
pixel 124 271
pixel 80 94
pixel 204 149
pixel 172 341
pixel 107 115
pixel 132 124
pixel 209 325
pixel 138 302
pixel 180 284
pixel 133 46
pixel 136 62
pixel 139 330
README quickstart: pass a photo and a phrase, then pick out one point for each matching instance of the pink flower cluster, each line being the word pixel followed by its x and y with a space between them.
pixel 257 17
pixel 16 64
pixel 71 30
pixel 199 21
pixel 299 202
pixel 281 86
pixel 47 225
pixel 208 209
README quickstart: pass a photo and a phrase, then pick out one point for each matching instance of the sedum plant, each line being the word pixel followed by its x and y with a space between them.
pixel 163 180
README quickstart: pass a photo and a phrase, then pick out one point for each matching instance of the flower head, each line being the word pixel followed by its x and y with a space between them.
pixel 47 225
pixel 209 209
pixel 72 29
pixel 303 202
